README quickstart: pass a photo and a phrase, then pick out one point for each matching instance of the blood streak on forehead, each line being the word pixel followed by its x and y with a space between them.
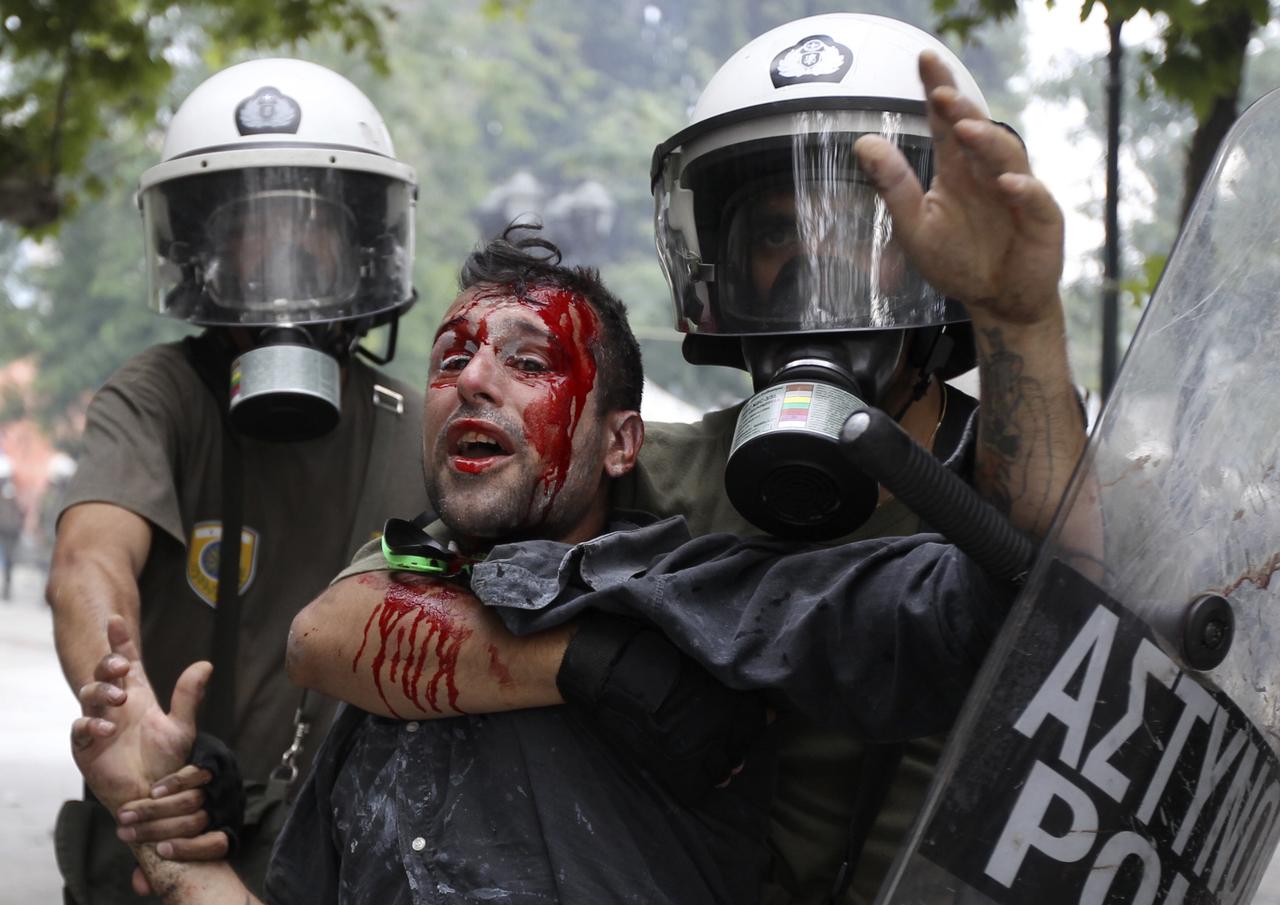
pixel 551 421
pixel 567 315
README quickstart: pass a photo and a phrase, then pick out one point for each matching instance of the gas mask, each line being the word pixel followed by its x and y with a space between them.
pixel 785 472
pixel 288 387
pixel 795 270
pixel 794 262
pixel 290 252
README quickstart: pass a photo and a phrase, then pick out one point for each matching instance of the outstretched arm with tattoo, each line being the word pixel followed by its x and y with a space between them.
pixel 404 645
pixel 990 235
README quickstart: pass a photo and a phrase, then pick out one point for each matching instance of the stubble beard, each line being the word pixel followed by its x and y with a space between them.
pixel 484 506
pixel 512 507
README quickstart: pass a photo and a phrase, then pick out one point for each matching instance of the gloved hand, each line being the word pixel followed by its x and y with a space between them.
pixel 654 702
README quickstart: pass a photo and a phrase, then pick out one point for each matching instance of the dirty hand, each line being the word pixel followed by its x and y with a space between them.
pixel 175 817
pixel 986 232
pixel 125 741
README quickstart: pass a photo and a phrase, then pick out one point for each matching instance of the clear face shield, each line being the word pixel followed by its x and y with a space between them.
pixel 814 258
pixel 785 234
pixel 278 245
pixel 281 249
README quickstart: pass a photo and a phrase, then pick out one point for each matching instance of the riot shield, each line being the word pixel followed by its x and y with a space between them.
pixel 1103 757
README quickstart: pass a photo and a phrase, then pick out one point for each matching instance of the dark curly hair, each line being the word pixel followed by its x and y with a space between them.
pixel 524 260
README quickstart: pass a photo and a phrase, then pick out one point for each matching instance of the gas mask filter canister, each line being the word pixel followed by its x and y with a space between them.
pixel 285 389
pixel 785 473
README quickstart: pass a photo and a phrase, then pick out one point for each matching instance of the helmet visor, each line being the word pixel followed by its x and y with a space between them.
pixel 281 248
pixel 818 258
pixel 790 236
pixel 265 246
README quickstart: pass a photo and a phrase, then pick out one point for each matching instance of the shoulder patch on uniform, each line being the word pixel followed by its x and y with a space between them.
pixel 268 110
pixel 203 552
pixel 817 58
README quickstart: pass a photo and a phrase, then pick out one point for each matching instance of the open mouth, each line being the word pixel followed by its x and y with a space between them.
pixel 475 445
pixel 474 448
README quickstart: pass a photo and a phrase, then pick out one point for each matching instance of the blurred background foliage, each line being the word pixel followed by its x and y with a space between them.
pixel 502 106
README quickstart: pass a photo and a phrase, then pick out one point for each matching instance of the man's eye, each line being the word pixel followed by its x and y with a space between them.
pixel 528 365
pixel 454 362
pixel 777 235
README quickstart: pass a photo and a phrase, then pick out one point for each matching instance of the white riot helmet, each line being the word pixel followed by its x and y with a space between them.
pixel 764 224
pixel 279 206
pixel 279 201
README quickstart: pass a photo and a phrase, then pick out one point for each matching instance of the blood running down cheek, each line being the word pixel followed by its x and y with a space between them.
pixel 551 422
pixel 415 641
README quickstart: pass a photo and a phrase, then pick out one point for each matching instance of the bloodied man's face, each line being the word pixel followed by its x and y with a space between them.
pixel 514 442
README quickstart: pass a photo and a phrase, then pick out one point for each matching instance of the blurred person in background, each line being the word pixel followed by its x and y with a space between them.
pixel 12 518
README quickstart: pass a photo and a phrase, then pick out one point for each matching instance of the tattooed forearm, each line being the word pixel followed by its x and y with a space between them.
pixel 1014 429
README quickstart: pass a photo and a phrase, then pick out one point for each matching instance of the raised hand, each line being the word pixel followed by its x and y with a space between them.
pixel 985 232
pixel 124 742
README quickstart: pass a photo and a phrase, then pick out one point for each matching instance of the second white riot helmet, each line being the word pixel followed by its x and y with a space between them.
pixel 764 223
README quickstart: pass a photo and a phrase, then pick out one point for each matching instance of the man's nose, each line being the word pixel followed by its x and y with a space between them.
pixel 481 379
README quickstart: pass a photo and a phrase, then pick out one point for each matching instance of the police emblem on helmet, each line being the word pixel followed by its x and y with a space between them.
pixel 267 110
pixel 817 58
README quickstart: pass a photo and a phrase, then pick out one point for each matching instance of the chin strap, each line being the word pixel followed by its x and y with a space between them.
pixel 917 393
pixel 357 348
pixel 939 350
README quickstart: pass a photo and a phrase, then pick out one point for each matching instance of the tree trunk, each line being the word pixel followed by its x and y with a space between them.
pixel 1111 244
pixel 1225 108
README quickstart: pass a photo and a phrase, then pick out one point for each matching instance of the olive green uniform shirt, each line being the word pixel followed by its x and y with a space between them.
pixel 153 444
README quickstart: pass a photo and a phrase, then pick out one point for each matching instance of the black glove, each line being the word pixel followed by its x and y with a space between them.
pixel 224 799
pixel 657 704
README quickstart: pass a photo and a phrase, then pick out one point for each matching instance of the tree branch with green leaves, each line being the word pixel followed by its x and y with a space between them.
pixel 1199 60
pixel 71 70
